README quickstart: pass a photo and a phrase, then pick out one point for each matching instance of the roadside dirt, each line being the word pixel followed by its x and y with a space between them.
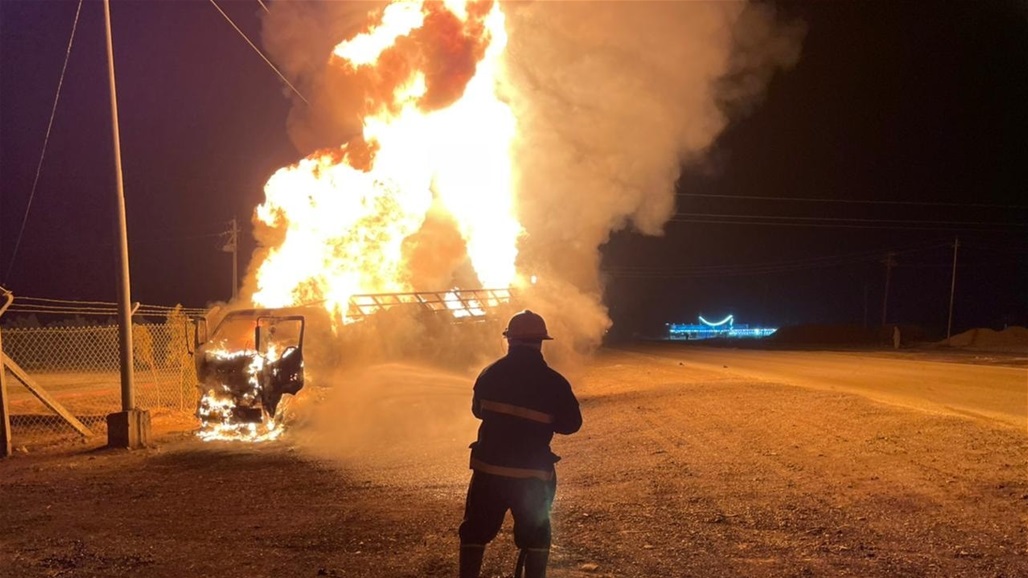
pixel 678 471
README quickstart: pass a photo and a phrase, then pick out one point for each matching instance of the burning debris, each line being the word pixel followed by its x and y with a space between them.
pixel 461 304
pixel 253 358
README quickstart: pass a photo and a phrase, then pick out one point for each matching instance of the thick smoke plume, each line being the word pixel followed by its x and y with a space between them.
pixel 612 99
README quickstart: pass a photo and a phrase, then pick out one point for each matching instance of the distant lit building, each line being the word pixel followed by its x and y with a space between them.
pixel 724 329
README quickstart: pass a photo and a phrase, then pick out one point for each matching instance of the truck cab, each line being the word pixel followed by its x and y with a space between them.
pixel 245 366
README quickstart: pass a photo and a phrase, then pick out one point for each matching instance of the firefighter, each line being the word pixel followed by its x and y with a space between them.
pixel 522 402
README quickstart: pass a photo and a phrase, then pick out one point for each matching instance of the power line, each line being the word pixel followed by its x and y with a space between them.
pixel 811 263
pixel 739 270
pixel 177 238
pixel 852 220
pixel 46 141
pixel 841 225
pixel 261 54
pixel 813 260
pixel 853 201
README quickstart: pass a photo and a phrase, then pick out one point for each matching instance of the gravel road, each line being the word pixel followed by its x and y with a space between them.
pixel 781 464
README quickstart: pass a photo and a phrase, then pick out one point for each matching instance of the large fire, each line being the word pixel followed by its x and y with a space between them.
pixel 434 135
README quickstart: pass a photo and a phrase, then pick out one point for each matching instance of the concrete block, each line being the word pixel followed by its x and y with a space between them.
pixel 128 429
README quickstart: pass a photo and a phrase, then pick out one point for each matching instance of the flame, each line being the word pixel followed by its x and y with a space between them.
pixel 459 307
pixel 218 423
pixel 216 410
pixel 434 131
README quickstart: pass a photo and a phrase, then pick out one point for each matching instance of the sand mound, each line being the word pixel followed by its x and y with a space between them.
pixel 1010 339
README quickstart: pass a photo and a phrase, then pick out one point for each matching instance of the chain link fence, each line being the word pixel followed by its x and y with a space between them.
pixel 79 368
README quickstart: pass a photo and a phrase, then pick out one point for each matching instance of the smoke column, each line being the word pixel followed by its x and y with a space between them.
pixel 612 99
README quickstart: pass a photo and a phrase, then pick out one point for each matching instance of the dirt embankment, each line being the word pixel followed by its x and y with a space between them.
pixel 1013 339
pixel 1010 339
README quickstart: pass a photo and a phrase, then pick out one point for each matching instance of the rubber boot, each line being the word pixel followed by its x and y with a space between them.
pixel 535 562
pixel 471 560
pixel 519 567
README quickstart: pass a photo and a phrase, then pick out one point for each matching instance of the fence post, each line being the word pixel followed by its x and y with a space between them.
pixel 5 412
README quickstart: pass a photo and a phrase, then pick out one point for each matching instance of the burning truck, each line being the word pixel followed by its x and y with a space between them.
pixel 422 197
pixel 255 357
pixel 244 368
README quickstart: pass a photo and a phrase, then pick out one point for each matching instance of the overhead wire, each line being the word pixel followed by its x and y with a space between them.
pixel 1007 249
pixel 852 220
pixel 178 238
pixel 261 54
pixel 737 270
pixel 913 226
pixel 813 260
pixel 734 271
pixel 854 201
pixel 813 263
pixel 46 141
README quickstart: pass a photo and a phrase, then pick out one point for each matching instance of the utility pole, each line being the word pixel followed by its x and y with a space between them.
pixel 952 289
pixel 131 427
pixel 889 263
pixel 865 304
pixel 232 246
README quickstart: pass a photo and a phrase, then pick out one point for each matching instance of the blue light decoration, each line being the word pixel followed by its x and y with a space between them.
pixel 724 329
pixel 729 320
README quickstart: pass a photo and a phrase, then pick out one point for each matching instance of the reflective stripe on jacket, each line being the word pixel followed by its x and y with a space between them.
pixel 522 402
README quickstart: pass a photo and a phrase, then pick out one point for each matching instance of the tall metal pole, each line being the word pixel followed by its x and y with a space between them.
pixel 952 289
pixel 889 264
pixel 128 400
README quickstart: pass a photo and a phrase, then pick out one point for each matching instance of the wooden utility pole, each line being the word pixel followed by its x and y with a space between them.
pixel 889 263
pixel 865 304
pixel 232 246
pixel 952 289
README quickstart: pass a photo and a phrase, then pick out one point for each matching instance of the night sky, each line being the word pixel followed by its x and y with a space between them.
pixel 892 103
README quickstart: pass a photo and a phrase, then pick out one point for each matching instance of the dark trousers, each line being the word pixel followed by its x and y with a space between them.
pixel 490 496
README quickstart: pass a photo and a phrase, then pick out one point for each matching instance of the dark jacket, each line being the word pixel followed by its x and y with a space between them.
pixel 522 403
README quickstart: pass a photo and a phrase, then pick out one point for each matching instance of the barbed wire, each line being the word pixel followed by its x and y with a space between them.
pixel 50 306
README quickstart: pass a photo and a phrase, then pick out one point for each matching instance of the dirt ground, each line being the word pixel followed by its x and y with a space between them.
pixel 679 470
